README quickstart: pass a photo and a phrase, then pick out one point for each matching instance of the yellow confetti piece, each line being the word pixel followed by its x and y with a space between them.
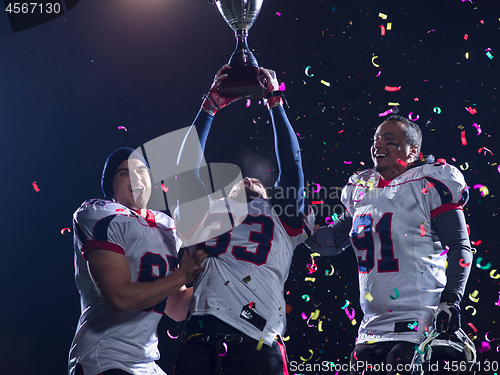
pixel 496 277
pixel 320 326
pixel 393 104
pixel 373 61
pixel 331 272
pixel 325 83
pixel 353 322
pixel 315 255
pixel 473 295
pixel 484 191
pixel 471 307
pixel 315 315
pixel 286 338
pixel 368 296
pixel 307 359
pixel 389 26
pixel 259 345
pixel 311 279
pixel 372 342
pixel 383 16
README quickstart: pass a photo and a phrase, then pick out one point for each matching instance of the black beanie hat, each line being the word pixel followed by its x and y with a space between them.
pixel 112 163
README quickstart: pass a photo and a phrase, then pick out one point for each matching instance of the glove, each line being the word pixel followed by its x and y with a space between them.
pixel 270 85
pixel 214 101
pixel 447 317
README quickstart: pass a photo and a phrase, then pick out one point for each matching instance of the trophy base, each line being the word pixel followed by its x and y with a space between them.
pixel 242 82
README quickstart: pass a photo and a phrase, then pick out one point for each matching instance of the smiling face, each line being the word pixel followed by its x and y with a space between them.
pixel 390 153
pixel 132 184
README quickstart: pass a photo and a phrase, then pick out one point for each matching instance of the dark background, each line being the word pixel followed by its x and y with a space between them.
pixel 67 85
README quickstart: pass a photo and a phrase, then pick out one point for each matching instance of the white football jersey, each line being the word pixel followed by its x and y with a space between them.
pixel 401 264
pixel 129 341
pixel 243 285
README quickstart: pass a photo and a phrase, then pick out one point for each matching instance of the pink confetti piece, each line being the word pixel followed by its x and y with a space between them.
pixel 478 128
pixel 379 73
pixel 122 128
pixel 382 30
pixel 170 335
pixel 282 86
pixel 350 315
pixel 485 151
pixel 446 248
pixel 248 103
pixel 347 162
pixel 278 14
pixel 410 115
pixel 404 164
pixel 385 113
pixel 466 36
pixel 392 88
pixel 471 110
pixel 464 140
pixel 35 186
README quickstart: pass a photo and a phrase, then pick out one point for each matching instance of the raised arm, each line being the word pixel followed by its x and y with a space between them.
pixel 192 196
pixel 289 186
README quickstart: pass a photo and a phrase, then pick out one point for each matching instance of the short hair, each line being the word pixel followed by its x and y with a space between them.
pixel 411 130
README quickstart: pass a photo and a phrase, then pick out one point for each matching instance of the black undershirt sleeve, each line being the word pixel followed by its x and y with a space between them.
pixel 451 228
pixel 332 239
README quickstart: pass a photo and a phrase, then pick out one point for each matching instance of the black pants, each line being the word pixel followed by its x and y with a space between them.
pixel 229 355
pixel 388 357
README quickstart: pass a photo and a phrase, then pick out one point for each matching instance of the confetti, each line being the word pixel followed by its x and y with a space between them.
pixel 347 162
pixel 397 295
pixel 35 186
pixel 496 277
pixel 368 297
pixel 422 230
pixel 402 163
pixel 318 187
pixel 278 14
pixel 383 16
pixel 259 345
pixel 382 114
pixel 413 326
pixel 436 110
pixel 282 86
pixel 373 61
pixel 466 37
pixel 64 230
pixel 331 272
pixel 484 347
pixel 471 307
pixel 471 110
pixel 392 88
pixel 163 187
pixel 485 151
pixel 464 166
pixel 351 314
pixel 410 115
pixel 315 315
pixel 307 71
pixel 248 103
pixel 122 127
pixel 318 202
pixel 347 303
pixel 464 264
pixel 486 337
pixel 382 30
pixel 306 298
pixel 446 248
pixel 482 189
pixel 472 326
pixel 478 264
pixel 171 336
pixel 490 56
pixel 325 83
pixel 464 140
pixel 389 25
pixel 320 326
pixel 307 359
pixel 474 296
pixel 311 279
pixel 478 128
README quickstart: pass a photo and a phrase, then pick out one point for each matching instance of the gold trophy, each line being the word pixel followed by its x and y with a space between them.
pixel 242 78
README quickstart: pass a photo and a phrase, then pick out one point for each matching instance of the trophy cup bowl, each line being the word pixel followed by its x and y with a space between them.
pixel 242 79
